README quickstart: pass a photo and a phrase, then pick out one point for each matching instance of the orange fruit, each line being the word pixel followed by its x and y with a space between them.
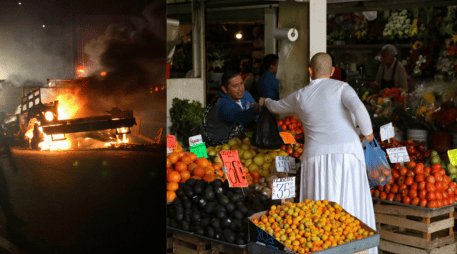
pixel 196 177
pixel 209 178
pixel 246 170
pixel 186 159
pixel 219 172
pixel 209 171
pixel 168 163
pixel 172 186
pixel 199 171
pixel 185 175
pixel 174 176
pixel 191 167
pixel 173 157
pixel 181 154
pixel 171 195
pixel 202 162
pixel 217 166
pixel 180 166
pixel 193 156
pixel 255 175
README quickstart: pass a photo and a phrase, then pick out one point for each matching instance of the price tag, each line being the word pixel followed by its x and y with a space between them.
pixel 195 140
pixel 452 156
pixel 233 168
pixel 199 150
pixel 287 138
pixel 169 150
pixel 398 154
pixel 171 141
pixel 285 164
pixel 387 131
pixel 283 188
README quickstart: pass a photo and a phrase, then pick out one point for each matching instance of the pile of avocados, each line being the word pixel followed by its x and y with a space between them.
pixel 213 210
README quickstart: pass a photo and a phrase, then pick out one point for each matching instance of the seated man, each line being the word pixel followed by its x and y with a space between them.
pixel 226 114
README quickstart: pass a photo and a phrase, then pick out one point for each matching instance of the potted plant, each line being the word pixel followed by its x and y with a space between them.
pixel 184 115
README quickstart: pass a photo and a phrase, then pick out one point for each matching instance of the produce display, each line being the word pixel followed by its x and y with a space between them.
pixel 291 124
pixel 294 150
pixel 419 185
pixel 311 226
pixel 263 184
pixel 416 151
pixel 214 210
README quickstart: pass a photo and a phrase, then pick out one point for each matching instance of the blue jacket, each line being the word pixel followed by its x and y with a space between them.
pixel 269 86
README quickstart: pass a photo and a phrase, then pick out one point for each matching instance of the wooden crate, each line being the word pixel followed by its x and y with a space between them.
pixel 189 244
pixel 169 241
pixel 219 248
pixel 411 230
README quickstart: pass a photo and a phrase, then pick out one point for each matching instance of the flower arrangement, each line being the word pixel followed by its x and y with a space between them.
pixel 381 106
pixel 447 62
pixel 420 59
pixel 398 26
pixel 220 57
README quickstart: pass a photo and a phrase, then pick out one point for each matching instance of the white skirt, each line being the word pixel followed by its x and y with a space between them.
pixel 340 178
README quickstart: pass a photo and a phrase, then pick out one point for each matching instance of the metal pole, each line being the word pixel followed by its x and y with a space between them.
pixel 203 46
pixel 196 39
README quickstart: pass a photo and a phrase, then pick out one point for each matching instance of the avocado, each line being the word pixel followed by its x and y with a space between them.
pixel 185 225
pixel 179 209
pixel 225 222
pixel 219 207
pixel 210 232
pixel 243 209
pixel 192 227
pixel 229 236
pixel 171 212
pixel 187 204
pixel 239 203
pixel 209 187
pixel 256 200
pixel 230 207
pixel 188 215
pixel 238 224
pixel 209 208
pixel 181 184
pixel 249 199
pixel 191 182
pixel 195 200
pixel 195 216
pixel 209 194
pixel 189 193
pixel 218 233
pixel 240 240
pixel 250 213
pixel 246 190
pixel 215 223
pixel 219 190
pixel 259 208
pixel 202 203
pixel 177 202
pixel 216 183
pixel 238 215
pixel 198 189
pixel 203 214
pixel 230 194
pixel 232 227
pixel 180 193
pixel 236 197
pixel 179 216
pixel 173 224
pixel 243 232
pixel 204 222
pixel 223 200
pixel 263 198
pixel 221 214
pixel 199 231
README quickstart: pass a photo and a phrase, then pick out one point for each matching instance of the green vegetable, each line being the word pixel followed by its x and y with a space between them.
pixel 183 115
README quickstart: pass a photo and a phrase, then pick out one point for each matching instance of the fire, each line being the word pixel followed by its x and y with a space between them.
pixel 68 106
pixel 48 144
pixel 121 138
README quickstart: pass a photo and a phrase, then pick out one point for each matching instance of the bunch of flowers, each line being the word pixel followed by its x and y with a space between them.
pixel 420 59
pixel 381 106
pixel 220 57
pixel 361 29
pixel 398 25
pixel 447 63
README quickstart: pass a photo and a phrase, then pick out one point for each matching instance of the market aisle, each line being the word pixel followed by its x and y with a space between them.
pixel 86 201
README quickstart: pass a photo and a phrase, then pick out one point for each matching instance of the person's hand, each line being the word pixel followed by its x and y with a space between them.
pixel 256 108
pixel 369 138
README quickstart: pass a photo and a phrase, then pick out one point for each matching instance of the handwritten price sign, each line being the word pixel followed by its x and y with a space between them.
pixel 398 154
pixel 283 188
pixel 233 169
pixel 387 131
pixel 195 140
pixel 171 142
pixel 287 138
pixel 285 164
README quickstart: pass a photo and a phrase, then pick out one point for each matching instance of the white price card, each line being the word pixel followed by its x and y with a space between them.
pixel 285 164
pixel 194 140
pixel 387 131
pixel 283 188
pixel 398 154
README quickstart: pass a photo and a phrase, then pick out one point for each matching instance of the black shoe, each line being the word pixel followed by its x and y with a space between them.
pixel 15 223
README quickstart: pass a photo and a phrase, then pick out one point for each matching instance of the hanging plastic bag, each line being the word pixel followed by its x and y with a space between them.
pixel 378 168
pixel 266 133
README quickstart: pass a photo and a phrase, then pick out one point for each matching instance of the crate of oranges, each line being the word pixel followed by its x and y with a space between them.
pixel 309 227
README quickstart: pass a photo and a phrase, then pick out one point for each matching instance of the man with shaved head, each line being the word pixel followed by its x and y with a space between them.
pixel 333 161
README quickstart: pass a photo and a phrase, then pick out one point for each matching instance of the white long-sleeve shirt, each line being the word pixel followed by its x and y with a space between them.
pixel 326 108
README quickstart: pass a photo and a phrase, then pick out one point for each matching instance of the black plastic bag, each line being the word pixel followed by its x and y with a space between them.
pixel 266 133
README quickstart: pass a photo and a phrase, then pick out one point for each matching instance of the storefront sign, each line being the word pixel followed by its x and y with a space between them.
pixel 452 156
pixel 387 131
pixel 233 168
pixel 283 188
pixel 285 164
pixel 171 142
pixel 199 150
pixel 195 140
pixel 287 138
pixel 398 154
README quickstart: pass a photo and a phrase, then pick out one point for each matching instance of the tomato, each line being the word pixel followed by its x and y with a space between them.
pixel 430 179
pixel 445 195
pixel 419 169
pixel 392 181
pixel 409 180
pixel 374 174
pixel 403 171
pixel 386 172
pixel 402 187
pixel 420 156
pixel 422 194
pixel 436 166
pixel 446 179
pixel 397 166
pixel 431 196
pixel 412 194
pixel 443 172
pixel 404 192
pixel 414 158
pixel 419 178
pixel 391 197
pixel 421 147
pixel 401 180
pixel 445 202
pixel 452 200
pixel 387 188
pixel 439 186
pixel 371 191
pixel 287 122
pixel 438 177
pixel 445 185
pixel 395 175
pixel 394 188
pixel 415 201
pixel 383 195
pixel 427 154
pixel 411 150
pixel 450 193
pixel 439 203
pixel 439 195
pixel 283 147
pixel 398 198
pixel 280 122
pixel 410 173
pixel 421 185
pixel 431 204
pixel 376 194
pixel 430 187
pixel 380 188
pixel 423 203
pixel 411 165
pixel 406 200
pixel 414 186
pixel 452 185
pixel 427 171
pixel 284 127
